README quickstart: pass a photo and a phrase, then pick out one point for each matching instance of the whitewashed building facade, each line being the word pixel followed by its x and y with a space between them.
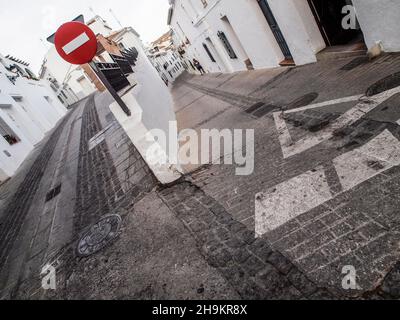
pixel 165 59
pixel 28 110
pixel 229 36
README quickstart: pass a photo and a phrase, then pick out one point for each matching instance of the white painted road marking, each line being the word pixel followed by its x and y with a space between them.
pixel 285 139
pixel 326 103
pixel 76 43
pixel 379 155
pixel 309 190
pixel 290 199
pixel 100 136
pixel 365 105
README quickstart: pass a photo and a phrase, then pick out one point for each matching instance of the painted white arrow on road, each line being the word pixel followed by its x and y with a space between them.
pixel 301 194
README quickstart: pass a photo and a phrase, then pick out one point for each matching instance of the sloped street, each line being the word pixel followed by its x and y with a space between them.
pixel 323 195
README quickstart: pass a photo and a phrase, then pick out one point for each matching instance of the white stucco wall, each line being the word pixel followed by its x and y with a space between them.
pixel 12 156
pixel 65 72
pixel 150 92
pixel 100 26
pixel 299 28
pixel 379 21
pixel 58 90
pixel 253 39
pixel 151 104
pixel 175 65
pixel 250 37
pixel 30 109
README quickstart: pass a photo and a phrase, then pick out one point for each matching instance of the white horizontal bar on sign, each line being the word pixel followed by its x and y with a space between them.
pixel 76 43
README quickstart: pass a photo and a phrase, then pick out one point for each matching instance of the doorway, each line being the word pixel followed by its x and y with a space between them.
pixel 329 17
pixel 266 9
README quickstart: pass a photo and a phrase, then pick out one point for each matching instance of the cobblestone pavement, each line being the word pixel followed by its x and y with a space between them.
pixel 250 265
pixel 87 169
pixel 323 195
pixel 357 224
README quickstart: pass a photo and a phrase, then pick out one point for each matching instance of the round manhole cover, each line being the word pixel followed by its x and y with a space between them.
pixel 99 235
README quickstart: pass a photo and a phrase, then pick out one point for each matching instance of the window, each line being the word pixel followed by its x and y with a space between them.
pixel 17 69
pixel 17 98
pixel 208 52
pixel 53 87
pixel 7 133
pixel 48 99
pixel 12 79
pixel 227 45
pixel 59 98
pixel 31 74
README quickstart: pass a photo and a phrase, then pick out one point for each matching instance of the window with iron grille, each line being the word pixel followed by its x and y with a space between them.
pixel 131 55
pixel 7 133
pixel 122 63
pixel 209 52
pixel 114 75
pixel 227 45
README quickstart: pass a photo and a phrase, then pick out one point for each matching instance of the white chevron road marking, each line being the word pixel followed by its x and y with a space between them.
pixel 299 195
pixel 365 105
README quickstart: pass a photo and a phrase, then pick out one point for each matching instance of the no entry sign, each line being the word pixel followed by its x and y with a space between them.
pixel 76 43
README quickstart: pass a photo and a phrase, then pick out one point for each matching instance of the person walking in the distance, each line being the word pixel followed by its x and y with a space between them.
pixel 199 66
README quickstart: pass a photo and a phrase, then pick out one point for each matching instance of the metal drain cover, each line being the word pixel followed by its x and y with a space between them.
pixel 99 235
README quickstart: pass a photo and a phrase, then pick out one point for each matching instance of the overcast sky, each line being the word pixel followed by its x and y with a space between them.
pixel 23 23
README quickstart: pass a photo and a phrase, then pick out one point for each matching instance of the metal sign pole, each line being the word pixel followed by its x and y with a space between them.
pixel 110 88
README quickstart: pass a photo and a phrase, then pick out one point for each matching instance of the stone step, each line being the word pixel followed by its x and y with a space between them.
pixel 334 55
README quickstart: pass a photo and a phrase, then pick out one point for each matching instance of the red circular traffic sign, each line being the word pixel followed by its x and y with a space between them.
pixel 76 43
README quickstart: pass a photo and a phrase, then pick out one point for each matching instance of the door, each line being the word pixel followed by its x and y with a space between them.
pixel 329 16
pixel 266 9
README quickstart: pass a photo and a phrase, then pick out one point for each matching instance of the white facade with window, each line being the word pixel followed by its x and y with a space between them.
pixel 63 91
pixel 28 110
pixel 229 36
pixel 56 70
pixel 168 65
pixel 165 59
